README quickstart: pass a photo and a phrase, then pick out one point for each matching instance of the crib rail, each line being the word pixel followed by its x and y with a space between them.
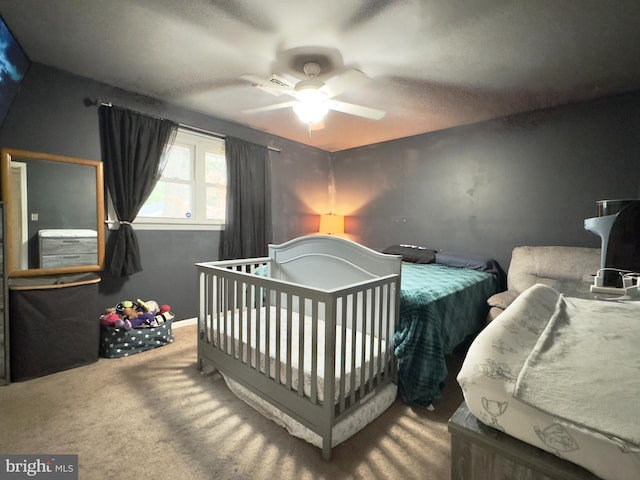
pixel 271 335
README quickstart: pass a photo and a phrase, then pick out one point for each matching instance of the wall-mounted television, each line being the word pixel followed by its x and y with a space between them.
pixel 14 64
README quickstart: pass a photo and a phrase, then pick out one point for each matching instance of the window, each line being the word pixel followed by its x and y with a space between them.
pixel 192 190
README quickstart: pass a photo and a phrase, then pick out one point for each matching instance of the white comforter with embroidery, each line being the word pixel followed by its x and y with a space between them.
pixel 534 376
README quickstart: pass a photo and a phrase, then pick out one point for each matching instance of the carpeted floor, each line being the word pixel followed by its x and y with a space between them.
pixel 154 415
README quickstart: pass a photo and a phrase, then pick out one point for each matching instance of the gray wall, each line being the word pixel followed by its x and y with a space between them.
pixel 529 179
pixel 485 188
pixel 51 115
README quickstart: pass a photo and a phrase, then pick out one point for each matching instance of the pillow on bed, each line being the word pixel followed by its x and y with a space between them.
pixel 475 262
pixel 412 253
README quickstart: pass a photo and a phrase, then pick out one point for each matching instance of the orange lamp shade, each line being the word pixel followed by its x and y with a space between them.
pixel 331 224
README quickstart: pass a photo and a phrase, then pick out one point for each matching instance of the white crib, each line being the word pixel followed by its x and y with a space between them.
pixel 308 330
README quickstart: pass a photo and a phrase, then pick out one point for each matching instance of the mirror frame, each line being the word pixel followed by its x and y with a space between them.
pixel 7 155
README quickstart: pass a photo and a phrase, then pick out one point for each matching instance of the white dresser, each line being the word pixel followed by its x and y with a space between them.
pixel 67 247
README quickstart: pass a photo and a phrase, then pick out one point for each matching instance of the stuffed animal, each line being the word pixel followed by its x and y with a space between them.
pixel 109 317
pixel 130 315
pixel 133 316
pixel 161 314
pixel 164 315
pixel 148 306
pixel 120 323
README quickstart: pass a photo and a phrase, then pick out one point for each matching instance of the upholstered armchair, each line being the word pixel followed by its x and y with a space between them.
pixel 569 270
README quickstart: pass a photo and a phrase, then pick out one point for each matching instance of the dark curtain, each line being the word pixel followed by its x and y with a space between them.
pixel 247 232
pixel 133 153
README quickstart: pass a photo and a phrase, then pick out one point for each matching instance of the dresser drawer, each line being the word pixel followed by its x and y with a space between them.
pixel 68 260
pixel 60 246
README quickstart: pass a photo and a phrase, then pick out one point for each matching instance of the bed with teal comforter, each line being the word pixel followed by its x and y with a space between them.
pixel 441 305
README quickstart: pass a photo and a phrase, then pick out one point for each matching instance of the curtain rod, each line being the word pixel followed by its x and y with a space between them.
pixel 215 134
pixel 198 129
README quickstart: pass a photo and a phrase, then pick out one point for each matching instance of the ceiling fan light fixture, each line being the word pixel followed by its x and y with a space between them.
pixel 311 106
pixel 310 94
pixel 310 113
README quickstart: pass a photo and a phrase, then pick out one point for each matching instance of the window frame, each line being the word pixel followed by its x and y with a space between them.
pixel 198 142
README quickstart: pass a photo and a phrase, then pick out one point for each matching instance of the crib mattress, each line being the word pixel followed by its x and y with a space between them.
pixel 488 379
pixel 251 344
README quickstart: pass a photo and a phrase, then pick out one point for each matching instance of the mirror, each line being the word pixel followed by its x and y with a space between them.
pixel 55 214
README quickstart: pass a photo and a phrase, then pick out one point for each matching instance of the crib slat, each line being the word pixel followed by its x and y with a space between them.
pixel 301 333
pixel 377 352
pixel 209 309
pixel 215 312
pixel 391 308
pixel 358 297
pixel 289 338
pixel 223 314
pixel 251 351
pixel 267 332
pixel 278 337
pixel 241 320
pixel 332 313
pixel 314 351
pixel 260 327
pixel 367 328
pixel 240 311
pixel 212 292
pixel 343 353
pixel 383 329
pixel 392 323
pixel 232 323
pixel 220 312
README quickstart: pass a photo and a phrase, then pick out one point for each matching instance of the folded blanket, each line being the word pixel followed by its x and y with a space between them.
pixel 585 367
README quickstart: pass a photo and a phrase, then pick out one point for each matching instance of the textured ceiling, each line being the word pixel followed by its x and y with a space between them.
pixel 431 64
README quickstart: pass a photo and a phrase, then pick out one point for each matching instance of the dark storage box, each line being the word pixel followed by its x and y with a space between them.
pixel 52 327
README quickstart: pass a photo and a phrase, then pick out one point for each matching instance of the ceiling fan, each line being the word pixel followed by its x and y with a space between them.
pixel 313 98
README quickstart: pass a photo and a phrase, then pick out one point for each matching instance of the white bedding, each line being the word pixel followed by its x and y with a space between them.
pixel 250 338
pixel 575 370
pixel 488 379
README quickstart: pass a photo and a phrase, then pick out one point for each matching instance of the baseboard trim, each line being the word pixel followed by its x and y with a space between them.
pixel 184 323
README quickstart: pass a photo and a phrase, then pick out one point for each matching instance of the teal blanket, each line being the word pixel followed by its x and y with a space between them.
pixel 439 307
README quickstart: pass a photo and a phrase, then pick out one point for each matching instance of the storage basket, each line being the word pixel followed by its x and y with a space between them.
pixel 118 342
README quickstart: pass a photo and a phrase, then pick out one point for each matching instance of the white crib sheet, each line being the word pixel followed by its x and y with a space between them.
pixel 488 378
pixel 374 348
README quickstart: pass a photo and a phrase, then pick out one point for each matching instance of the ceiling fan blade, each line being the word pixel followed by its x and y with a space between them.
pixel 272 84
pixel 275 106
pixel 357 110
pixel 344 81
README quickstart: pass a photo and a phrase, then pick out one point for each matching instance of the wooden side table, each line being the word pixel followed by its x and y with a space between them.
pixel 479 452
